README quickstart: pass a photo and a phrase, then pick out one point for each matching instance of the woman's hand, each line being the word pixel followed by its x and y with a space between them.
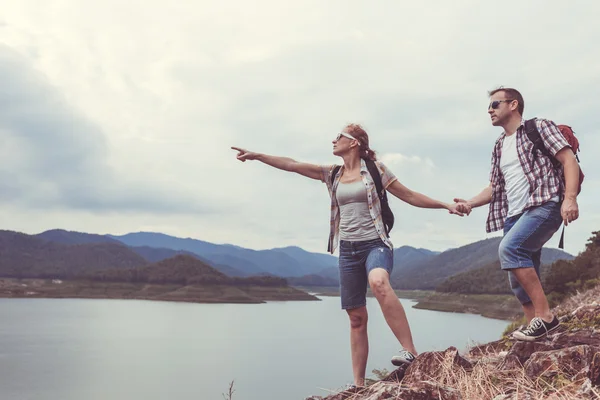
pixel 456 209
pixel 244 155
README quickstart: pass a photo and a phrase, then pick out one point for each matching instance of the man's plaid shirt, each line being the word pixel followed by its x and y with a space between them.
pixel 545 182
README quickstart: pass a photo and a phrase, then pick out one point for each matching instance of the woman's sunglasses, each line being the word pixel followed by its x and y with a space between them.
pixel 344 134
pixel 496 103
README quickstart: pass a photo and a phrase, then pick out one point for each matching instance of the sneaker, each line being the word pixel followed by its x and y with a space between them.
pixel 537 329
pixel 405 357
pixel 352 389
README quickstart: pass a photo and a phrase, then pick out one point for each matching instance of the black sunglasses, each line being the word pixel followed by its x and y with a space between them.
pixel 496 103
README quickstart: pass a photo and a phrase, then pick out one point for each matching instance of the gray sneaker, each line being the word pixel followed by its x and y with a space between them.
pixel 405 357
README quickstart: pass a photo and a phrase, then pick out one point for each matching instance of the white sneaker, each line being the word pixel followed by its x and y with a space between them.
pixel 404 357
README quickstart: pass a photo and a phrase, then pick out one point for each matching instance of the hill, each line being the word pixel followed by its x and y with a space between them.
pixel 181 270
pixel 71 237
pixel 34 267
pixel 432 271
pixel 283 262
pixel 233 260
pixel 26 256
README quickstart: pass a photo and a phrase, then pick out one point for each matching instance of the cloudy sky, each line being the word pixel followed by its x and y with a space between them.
pixel 118 117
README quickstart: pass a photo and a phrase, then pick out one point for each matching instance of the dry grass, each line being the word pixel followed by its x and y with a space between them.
pixel 229 394
pixel 487 380
pixel 591 296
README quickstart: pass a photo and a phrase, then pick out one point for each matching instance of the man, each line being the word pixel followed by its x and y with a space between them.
pixel 529 199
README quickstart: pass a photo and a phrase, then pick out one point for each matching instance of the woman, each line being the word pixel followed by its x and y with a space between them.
pixel 366 253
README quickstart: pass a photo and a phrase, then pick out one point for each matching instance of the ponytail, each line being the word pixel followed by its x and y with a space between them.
pixel 368 154
pixel 362 137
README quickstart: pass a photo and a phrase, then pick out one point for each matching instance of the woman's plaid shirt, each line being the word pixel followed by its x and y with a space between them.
pixel 545 182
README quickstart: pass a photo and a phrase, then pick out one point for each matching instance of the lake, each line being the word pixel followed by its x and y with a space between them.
pixel 75 349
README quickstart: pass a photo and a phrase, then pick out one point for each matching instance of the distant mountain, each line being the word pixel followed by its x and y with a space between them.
pixel 409 254
pixel 160 240
pixel 406 257
pixel 318 260
pixel 71 237
pixel 283 262
pixel 313 280
pixel 150 254
pixel 24 256
pixel 156 254
pixel 489 279
pixel 431 272
pixel 180 270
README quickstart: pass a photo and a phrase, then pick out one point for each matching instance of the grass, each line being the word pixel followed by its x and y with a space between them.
pixel 229 394
pixel 487 381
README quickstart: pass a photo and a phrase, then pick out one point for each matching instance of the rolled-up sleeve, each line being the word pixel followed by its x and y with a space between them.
pixel 326 171
pixel 551 136
pixel 387 176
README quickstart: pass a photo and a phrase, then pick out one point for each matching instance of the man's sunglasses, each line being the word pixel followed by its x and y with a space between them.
pixel 496 103
pixel 344 134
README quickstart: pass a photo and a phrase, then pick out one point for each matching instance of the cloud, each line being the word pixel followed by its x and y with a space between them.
pixel 134 111
pixel 52 156
pixel 397 158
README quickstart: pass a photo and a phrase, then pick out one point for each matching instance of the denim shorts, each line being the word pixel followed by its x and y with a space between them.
pixel 524 236
pixel 356 260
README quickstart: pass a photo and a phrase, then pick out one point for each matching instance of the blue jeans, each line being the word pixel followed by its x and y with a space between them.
pixel 524 236
pixel 356 260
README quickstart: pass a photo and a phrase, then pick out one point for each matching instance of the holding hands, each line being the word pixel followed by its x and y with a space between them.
pixel 461 207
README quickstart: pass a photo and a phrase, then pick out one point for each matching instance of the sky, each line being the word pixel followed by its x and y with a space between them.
pixel 118 117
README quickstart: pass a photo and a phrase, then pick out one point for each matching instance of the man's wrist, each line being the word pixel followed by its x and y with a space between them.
pixel 570 196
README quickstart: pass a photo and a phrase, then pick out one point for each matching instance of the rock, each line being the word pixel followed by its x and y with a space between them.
pixel 396 375
pixel 595 370
pixel 505 397
pixel 587 336
pixel 586 390
pixel 430 365
pixel 573 362
pixel 485 349
pixel 587 312
pixel 425 391
pixel 521 351
pixel 390 390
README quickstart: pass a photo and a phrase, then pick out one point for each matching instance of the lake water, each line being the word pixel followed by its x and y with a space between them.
pixel 75 349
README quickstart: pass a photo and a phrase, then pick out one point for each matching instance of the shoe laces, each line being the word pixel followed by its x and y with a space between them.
pixel 406 354
pixel 534 325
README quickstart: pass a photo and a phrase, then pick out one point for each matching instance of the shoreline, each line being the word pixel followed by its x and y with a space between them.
pixel 207 294
pixel 495 306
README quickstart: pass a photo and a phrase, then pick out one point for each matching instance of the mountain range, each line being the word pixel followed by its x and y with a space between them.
pixel 414 268
pixel 430 271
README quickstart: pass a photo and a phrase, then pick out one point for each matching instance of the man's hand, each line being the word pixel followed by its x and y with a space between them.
pixel 569 210
pixel 463 206
pixel 453 209
pixel 244 155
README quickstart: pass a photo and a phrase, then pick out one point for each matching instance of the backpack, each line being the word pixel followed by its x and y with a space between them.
pixel 386 212
pixel 538 144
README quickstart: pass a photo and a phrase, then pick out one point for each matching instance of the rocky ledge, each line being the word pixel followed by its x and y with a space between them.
pixel 565 365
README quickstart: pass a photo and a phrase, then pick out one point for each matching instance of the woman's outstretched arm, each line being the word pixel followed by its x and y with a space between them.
pixel 419 200
pixel 312 171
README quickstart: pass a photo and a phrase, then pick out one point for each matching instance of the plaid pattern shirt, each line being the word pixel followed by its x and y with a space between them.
pixel 545 182
pixel 387 177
